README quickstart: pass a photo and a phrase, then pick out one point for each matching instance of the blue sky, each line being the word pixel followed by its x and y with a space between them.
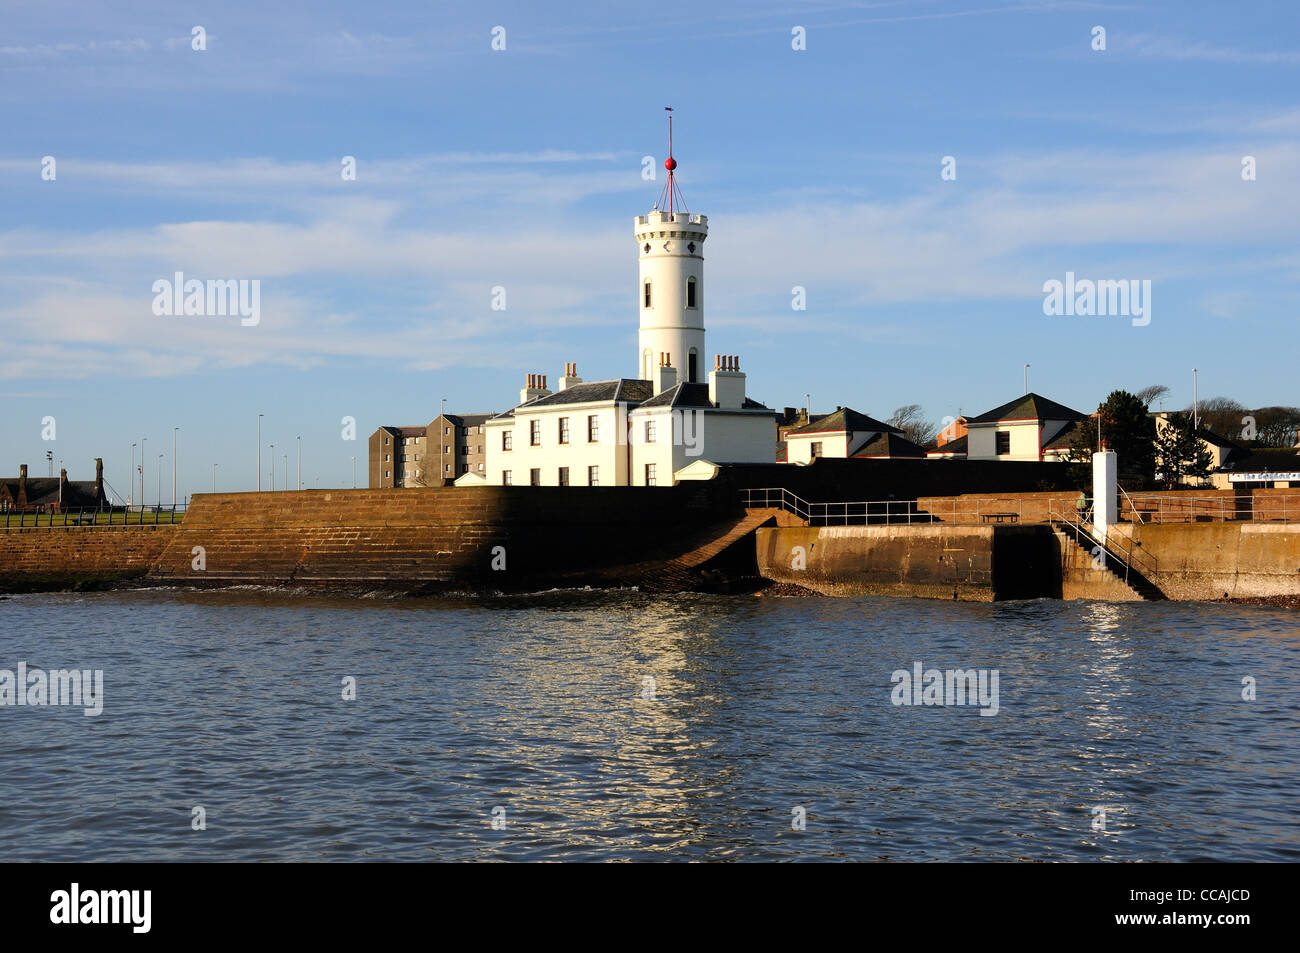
pixel 521 168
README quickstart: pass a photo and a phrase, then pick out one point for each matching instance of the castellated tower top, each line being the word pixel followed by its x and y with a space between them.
pixel 670 296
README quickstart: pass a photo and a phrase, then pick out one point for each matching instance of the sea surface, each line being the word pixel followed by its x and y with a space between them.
pixel 621 726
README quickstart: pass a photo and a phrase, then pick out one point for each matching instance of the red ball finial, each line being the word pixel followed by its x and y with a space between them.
pixel 670 163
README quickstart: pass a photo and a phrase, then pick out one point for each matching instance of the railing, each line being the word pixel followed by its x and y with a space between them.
pixel 1140 508
pixel 884 511
pixel 94 516
pixel 1118 546
pixel 1159 508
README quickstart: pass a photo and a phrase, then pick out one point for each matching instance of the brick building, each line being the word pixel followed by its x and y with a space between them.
pixel 450 446
pixel 24 494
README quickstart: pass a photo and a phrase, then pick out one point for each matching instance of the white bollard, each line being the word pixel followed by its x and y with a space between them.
pixel 1105 492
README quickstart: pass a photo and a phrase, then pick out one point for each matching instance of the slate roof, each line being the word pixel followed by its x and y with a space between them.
pixel 1063 439
pixel 956 445
pixel 407 431
pixel 1029 407
pixel 890 445
pixel 1267 460
pixel 843 420
pixel 686 394
pixel 623 389
pixel 46 490
pixel 469 420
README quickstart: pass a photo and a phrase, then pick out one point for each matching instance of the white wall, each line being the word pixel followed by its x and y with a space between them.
pixel 799 447
pixel 981 441
pixel 550 455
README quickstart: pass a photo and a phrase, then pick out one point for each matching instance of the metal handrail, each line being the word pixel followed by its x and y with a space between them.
pixel 1131 554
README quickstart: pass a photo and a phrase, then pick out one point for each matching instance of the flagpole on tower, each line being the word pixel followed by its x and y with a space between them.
pixel 671 193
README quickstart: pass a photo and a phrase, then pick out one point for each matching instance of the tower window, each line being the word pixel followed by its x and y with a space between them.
pixel 647 294
pixel 690 292
pixel 691 248
pixel 646 248
pixel 692 373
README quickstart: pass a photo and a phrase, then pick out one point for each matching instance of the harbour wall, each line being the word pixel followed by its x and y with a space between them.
pixel 939 561
pixel 33 559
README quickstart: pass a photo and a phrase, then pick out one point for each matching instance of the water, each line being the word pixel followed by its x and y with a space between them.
pixel 232 701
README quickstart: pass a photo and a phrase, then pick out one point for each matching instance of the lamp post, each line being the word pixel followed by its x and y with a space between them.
pixel 259 453
pixel 272 468
pixel 214 478
pixel 175 433
pixel 286 471
pixel 1196 407
pixel 158 481
pixel 300 463
pixel 354 473
pixel 130 483
pixel 807 406
pixel 142 440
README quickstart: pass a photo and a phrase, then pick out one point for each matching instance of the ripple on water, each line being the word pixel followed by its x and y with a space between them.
pixel 760 708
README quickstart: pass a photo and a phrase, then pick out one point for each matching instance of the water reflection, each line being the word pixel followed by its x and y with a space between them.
pixel 541 706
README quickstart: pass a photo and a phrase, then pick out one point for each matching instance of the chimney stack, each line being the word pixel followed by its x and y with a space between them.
pixel 22 485
pixel 570 376
pixel 534 387
pixel 99 480
pixel 665 375
pixel 726 382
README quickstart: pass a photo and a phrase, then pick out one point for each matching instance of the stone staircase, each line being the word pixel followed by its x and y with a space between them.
pixel 1123 565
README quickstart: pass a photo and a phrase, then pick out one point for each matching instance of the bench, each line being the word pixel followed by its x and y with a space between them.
pixel 1000 518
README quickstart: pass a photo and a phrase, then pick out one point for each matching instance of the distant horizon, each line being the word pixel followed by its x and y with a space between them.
pixel 1169 161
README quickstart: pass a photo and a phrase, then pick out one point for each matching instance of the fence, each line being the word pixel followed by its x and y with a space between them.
pixel 96 516
pixel 1009 510
pixel 1027 508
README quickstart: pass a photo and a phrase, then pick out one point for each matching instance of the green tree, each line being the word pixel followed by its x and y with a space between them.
pixel 1180 454
pixel 1126 428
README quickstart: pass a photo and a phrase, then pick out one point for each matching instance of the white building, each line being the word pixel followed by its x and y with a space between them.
pixel 847 433
pixel 1028 428
pixel 640 431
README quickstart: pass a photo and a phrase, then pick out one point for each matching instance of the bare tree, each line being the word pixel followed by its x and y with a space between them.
pixel 1152 394
pixel 1220 415
pixel 911 419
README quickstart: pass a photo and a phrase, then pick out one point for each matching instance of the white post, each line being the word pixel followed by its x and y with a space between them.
pixel 1105 488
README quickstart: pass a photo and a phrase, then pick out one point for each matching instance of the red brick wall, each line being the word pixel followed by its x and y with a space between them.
pixel 76 556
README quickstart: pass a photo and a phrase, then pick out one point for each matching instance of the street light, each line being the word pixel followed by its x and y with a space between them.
pixel 259 453
pixel 286 471
pixel 272 468
pixel 807 406
pixel 130 482
pixel 175 433
pixel 354 473
pixel 158 481
pixel 300 462
pixel 142 440
pixel 214 478
pixel 1196 407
